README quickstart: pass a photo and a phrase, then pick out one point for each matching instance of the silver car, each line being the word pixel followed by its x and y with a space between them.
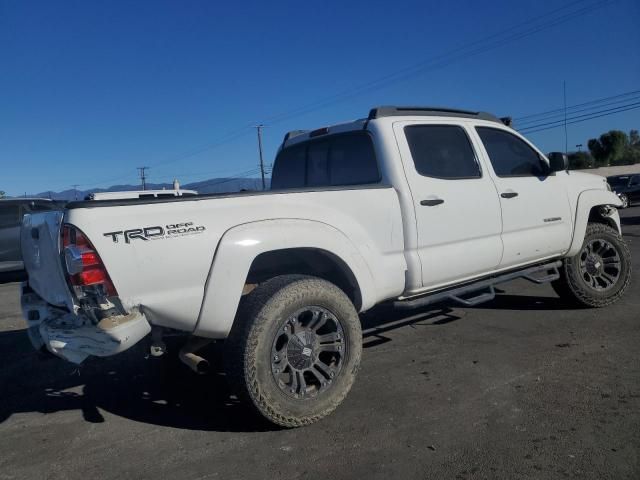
pixel 11 212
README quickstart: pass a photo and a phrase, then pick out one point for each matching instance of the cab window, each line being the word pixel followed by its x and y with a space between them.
pixel 509 155
pixel 336 160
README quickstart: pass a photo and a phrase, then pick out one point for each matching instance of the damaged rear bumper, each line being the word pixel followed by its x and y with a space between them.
pixel 74 336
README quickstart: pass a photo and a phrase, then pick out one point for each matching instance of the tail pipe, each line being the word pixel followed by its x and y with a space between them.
pixel 188 356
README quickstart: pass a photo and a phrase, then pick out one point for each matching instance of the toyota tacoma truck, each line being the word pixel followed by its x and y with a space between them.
pixel 408 206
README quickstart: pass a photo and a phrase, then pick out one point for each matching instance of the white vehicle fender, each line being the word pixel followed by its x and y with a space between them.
pixel 239 247
pixel 586 201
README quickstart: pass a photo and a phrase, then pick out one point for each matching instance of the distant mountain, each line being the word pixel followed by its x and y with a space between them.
pixel 213 185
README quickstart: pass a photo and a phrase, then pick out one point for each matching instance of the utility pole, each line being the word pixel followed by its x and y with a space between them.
pixel 259 128
pixel 566 142
pixel 143 178
pixel 75 190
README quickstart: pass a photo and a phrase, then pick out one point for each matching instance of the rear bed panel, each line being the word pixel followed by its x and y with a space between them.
pixel 158 255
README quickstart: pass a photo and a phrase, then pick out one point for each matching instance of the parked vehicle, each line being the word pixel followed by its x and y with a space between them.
pixel 140 194
pixel 410 206
pixel 11 213
pixel 627 187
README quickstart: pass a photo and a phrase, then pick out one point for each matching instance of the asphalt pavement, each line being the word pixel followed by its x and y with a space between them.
pixel 522 387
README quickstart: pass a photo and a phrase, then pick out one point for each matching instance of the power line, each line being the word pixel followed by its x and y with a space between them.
pixel 443 60
pixel 593 103
pixel 580 118
pixel 438 61
pixel 572 111
pixel 408 72
pixel 429 64
pixel 559 122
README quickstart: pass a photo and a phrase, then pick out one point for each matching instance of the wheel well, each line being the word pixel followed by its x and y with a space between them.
pixel 306 261
pixel 596 216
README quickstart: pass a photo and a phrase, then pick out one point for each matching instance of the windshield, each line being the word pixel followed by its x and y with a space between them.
pixel 617 181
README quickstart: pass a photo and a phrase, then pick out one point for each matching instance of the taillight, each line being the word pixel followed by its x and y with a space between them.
pixel 84 265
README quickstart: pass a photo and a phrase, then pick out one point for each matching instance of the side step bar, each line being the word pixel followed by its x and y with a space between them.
pixel 456 293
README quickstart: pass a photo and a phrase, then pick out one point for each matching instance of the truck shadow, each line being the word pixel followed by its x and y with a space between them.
pixel 504 301
pixel 164 392
pixel 156 391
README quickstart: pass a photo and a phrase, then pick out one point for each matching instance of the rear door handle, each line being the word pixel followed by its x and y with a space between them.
pixel 509 194
pixel 431 202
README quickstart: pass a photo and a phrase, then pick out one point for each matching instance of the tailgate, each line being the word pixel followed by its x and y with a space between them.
pixel 40 239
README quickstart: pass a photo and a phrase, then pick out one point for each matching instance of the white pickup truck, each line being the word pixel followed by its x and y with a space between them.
pixel 410 205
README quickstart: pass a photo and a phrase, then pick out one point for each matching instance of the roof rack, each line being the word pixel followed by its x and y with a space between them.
pixel 394 111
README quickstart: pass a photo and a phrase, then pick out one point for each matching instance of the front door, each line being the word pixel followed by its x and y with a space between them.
pixel 536 216
pixel 456 206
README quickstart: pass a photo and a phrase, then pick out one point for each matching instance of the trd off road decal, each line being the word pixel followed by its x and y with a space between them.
pixel 156 232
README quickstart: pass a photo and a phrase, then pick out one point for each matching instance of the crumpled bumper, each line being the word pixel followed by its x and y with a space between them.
pixel 74 337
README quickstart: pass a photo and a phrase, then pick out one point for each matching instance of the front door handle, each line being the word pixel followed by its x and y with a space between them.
pixel 509 194
pixel 431 202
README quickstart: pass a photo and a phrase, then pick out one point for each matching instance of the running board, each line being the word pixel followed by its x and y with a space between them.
pixel 457 293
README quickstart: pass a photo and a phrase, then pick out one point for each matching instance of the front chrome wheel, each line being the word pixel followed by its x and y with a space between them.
pixel 625 201
pixel 600 264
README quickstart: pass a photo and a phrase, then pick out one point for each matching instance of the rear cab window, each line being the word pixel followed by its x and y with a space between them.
pixel 340 159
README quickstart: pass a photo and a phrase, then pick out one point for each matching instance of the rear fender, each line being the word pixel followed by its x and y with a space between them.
pixel 586 201
pixel 239 247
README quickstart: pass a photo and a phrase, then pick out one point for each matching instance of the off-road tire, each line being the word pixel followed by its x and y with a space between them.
pixel 248 348
pixel 571 286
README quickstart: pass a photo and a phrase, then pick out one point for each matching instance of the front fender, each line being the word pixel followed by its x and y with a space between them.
pixel 239 247
pixel 586 201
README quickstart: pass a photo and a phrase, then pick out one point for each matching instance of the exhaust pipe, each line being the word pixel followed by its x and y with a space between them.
pixel 190 359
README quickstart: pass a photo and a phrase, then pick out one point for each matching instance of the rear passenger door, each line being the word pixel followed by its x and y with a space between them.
pixel 536 220
pixel 455 202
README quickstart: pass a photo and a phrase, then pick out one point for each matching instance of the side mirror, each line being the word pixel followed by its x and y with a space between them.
pixel 558 161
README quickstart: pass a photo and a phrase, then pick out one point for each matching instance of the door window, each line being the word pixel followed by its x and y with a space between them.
pixel 442 151
pixel 509 155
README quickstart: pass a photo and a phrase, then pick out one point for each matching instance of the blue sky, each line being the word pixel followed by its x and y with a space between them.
pixel 90 90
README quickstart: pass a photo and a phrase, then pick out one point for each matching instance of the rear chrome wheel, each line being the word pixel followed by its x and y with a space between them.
pixel 294 349
pixel 308 352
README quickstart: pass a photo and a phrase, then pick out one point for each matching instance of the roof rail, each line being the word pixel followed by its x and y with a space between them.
pixel 394 111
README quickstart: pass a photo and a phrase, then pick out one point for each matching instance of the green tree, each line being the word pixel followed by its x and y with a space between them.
pixel 609 149
pixel 631 155
pixel 580 160
pixel 1 194
pixel 634 138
